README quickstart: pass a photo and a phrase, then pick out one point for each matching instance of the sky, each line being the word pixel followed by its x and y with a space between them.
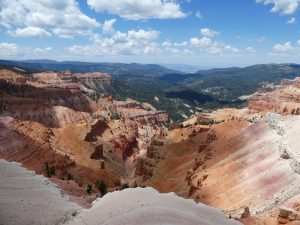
pixel 203 33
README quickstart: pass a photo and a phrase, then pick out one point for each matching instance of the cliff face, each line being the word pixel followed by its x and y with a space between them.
pixel 243 161
pixel 284 100
pixel 53 102
pixel 235 158
pixel 58 125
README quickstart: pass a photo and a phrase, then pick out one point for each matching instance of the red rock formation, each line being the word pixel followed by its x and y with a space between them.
pixel 284 100
pixel 244 158
pixel 50 123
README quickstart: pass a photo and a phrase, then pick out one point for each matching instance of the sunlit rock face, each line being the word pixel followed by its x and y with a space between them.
pixel 234 158
pixel 60 120
pixel 284 100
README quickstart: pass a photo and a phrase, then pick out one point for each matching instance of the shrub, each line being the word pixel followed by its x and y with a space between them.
pixel 115 116
pixel 47 169
pixel 50 171
pixel 102 187
pixel 89 189
pixel 70 177
pixel 124 186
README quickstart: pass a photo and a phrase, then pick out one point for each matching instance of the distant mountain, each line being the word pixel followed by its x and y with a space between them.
pixel 117 69
pixel 218 70
pixel 182 67
pixel 229 84
pixel 181 94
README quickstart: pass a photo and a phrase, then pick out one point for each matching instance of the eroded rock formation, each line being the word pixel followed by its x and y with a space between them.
pixel 57 124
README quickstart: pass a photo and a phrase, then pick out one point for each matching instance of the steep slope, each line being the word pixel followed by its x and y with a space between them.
pixel 234 159
pixel 57 125
pixel 29 199
pixel 284 100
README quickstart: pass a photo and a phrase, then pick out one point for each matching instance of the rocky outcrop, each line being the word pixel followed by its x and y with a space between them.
pixel 244 157
pixel 147 206
pixel 97 129
pixel 288 215
pixel 53 107
pixel 98 153
pixel 57 125
pixel 284 99
pixel 32 145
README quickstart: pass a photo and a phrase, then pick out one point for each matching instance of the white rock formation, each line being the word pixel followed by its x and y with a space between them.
pixel 29 199
pixel 145 206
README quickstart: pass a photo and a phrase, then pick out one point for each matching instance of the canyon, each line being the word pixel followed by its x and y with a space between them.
pixel 237 160
pixel 244 162
pixel 55 124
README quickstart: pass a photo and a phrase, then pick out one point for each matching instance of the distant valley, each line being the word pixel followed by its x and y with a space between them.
pixel 180 94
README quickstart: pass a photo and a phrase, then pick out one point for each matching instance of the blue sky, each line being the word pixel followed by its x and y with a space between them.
pixel 205 33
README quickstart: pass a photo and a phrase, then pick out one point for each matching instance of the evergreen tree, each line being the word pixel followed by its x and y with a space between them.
pixel 102 187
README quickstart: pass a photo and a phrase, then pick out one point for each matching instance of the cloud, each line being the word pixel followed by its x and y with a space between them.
pixel 134 42
pixel 260 39
pixel 209 33
pixel 282 6
pixel 142 35
pixel 231 49
pixel 137 9
pixel 180 44
pixel 292 21
pixel 60 17
pixel 250 50
pixel 42 50
pixel 8 49
pixel 198 15
pixel 29 32
pixel 215 50
pixel 222 50
pixel 167 43
pixel 202 42
pixel 286 47
pixel 108 26
pixel 13 51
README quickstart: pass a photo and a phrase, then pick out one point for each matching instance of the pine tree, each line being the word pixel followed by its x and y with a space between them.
pixel 102 187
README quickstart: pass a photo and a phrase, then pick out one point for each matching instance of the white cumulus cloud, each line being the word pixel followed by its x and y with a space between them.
pixel 108 26
pixel 286 47
pixel 282 6
pixel 293 20
pixel 29 32
pixel 208 32
pixel 60 17
pixel 215 50
pixel 134 42
pixel 8 49
pixel 202 42
pixel 139 9
pixel 231 49
pixel 13 51
pixel 250 50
